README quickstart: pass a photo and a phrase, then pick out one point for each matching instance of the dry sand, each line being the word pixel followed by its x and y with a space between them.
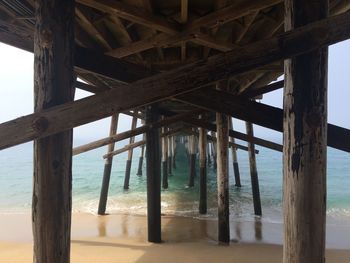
pixel 123 238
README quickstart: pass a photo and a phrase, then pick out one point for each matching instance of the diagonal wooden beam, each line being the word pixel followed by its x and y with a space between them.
pixel 131 13
pixel 173 83
pixel 258 113
pixel 91 29
pixel 191 32
pixel 131 133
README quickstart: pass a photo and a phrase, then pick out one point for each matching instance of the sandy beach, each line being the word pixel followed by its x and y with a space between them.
pixel 123 238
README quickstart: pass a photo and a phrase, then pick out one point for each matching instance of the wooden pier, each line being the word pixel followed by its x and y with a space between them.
pixel 183 69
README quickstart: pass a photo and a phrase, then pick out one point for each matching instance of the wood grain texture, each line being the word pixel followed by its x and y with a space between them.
pixel 53 85
pixel 153 159
pixel 222 174
pixel 305 142
pixel 108 167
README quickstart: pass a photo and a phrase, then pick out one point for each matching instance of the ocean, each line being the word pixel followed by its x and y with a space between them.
pixel 16 185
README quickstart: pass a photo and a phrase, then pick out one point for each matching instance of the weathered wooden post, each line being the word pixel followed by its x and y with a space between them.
pixel 208 153
pixel 222 175
pixel 108 168
pixel 192 160
pixel 202 171
pixel 253 171
pixel 234 158
pixel 153 164
pixel 129 160
pixel 213 151
pixel 53 85
pixel 165 159
pixel 139 169
pixel 174 151
pixel 305 140
pixel 170 155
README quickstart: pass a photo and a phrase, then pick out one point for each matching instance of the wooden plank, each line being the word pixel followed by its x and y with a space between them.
pixel 262 90
pixel 53 85
pixel 258 113
pixel 131 13
pixel 232 12
pixel 107 168
pixel 305 143
pixel 153 176
pixel 182 80
pixel 91 29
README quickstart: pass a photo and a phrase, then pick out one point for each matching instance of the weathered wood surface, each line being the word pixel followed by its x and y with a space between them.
pixel 234 158
pixel 182 80
pixel 305 143
pixel 258 113
pixel 107 168
pixel 172 35
pixel 222 174
pixel 164 160
pixel 130 154
pixel 202 145
pixel 153 160
pixel 53 85
pixel 253 172
pixel 192 160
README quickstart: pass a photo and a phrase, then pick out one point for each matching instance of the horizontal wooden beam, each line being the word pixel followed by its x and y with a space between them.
pixel 176 82
pixel 258 113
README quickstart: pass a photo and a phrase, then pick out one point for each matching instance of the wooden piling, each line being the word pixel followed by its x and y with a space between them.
pixel 54 81
pixel 174 151
pixel 234 158
pixel 130 153
pixel 222 177
pixel 153 162
pixel 139 169
pixel 213 151
pixel 107 169
pixel 165 160
pixel 208 153
pixel 253 171
pixel 192 160
pixel 170 155
pixel 305 140
pixel 202 171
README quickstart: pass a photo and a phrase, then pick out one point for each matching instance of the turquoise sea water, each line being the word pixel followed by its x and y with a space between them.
pixel 16 185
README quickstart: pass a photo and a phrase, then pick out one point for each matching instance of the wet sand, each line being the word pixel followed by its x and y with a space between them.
pixel 123 238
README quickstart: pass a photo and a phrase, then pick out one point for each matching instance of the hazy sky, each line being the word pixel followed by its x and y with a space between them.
pixel 16 78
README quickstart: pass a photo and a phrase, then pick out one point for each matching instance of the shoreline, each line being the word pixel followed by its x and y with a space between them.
pixel 123 238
